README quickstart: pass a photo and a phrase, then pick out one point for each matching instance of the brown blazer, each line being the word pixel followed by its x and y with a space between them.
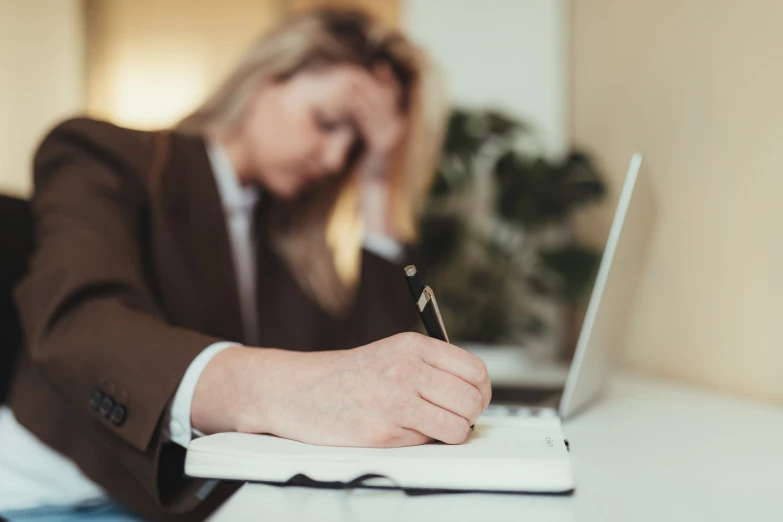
pixel 131 279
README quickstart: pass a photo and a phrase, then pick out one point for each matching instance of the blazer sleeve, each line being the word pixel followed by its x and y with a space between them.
pixel 89 316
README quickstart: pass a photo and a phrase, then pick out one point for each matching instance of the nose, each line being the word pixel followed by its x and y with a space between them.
pixel 335 152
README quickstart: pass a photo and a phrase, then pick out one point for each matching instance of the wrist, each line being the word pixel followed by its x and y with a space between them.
pixel 221 391
pixel 256 375
pixel 375 197
pixel 275 383
pixel 373 165
pixel 375 194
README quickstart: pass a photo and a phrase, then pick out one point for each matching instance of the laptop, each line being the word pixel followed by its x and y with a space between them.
pixel 512 449
pixel 611 302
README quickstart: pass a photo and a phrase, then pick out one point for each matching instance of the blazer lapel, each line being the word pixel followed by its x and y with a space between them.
pixel 198 226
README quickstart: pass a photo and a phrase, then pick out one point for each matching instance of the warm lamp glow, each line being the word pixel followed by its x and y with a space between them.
pixel 144 92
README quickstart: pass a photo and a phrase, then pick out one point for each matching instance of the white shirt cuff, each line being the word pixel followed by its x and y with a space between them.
pixel 180 430
pixel 384 246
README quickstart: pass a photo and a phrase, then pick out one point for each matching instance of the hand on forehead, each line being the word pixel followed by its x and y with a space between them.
pixel 379 85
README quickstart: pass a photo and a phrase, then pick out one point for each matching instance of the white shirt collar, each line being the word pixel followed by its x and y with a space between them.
pixel 233 196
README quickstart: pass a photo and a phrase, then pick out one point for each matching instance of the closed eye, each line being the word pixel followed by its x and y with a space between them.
pixel 327 124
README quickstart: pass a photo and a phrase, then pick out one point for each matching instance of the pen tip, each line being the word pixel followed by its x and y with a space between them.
pixel 410 270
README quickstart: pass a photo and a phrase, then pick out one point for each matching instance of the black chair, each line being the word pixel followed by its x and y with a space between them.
pixel 16 245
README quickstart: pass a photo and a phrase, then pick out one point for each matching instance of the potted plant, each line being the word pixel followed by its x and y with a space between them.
pixel 497 242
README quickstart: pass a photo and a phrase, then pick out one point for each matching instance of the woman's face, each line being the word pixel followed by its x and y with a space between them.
pixel 300 131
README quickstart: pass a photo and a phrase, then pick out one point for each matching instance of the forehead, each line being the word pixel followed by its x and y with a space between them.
pixel 328 77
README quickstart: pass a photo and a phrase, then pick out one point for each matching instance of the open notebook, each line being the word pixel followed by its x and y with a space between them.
pixel 509 454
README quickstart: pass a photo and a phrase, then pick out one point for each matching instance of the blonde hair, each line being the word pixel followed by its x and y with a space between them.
pixel 319 236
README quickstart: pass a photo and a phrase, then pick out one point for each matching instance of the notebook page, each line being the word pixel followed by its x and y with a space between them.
pixel 492 438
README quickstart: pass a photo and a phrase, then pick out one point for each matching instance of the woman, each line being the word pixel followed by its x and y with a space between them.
pixel 277 215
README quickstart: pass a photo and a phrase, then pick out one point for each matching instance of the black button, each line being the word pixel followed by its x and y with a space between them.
pixel 106 406
pixel 96 399
pixel 118 415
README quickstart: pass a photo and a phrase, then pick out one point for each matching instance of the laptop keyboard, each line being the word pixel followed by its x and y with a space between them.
pixel 512 410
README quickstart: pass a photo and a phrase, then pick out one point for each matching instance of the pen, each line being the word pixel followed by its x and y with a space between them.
pixel 426 304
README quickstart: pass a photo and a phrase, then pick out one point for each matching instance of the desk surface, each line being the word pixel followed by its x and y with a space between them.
pixel 649 450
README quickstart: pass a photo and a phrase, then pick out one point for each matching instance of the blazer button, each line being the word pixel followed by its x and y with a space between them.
pixel 106 406
pixel 96 399
pixel 118 415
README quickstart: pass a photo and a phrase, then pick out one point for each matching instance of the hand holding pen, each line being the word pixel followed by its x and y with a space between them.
pixel 427 305
pixel 403 390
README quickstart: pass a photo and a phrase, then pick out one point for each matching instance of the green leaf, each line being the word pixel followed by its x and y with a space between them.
pixel 440 238
pixel 471 272
pixel 576 267
pixel 534 192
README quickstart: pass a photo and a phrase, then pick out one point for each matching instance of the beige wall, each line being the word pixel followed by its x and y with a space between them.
pixel 150 62
pixel 697 86
pixel 41 79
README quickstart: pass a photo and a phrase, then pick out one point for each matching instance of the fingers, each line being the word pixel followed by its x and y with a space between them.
pixel 366 91
pixel 451 393
pixel 367 87
pixel 366 106
pixel 386 77
pixel 383 72
pixel 375 105
pixel 458 362
pixel 401 437
pixel 437 423
pixel 380 92
pixel 371 103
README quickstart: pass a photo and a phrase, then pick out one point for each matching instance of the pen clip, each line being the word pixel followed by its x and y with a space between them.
pixel 426 296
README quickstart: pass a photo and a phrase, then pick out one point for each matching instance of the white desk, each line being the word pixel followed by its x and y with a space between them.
pixel 650 450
